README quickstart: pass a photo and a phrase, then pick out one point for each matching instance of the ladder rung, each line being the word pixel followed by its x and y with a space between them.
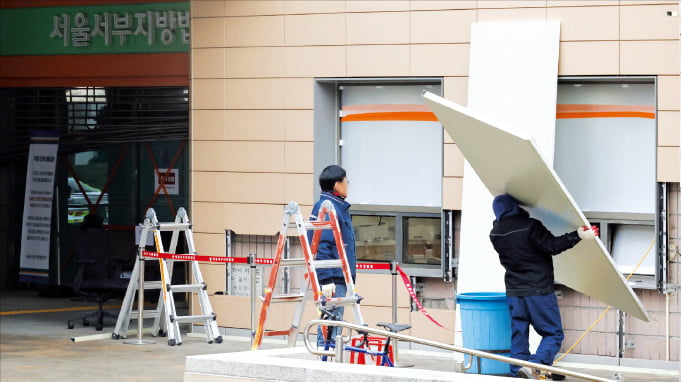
pixel 312 226
pixel 342 301
pixel 287 298
pixel 173 226
pixel 327 263
pixel 187 287
pixel 200 317
pixel 147 314
pixel 301 262
pixel 152 284
pixel 269 333
pixel 298 262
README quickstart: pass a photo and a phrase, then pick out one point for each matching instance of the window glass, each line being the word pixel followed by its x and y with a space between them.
pixel 606 145
pixel 391 145
pixel 375 237
pixel 423 243
pixel 629 244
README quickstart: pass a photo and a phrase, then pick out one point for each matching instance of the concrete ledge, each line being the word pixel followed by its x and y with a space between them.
pixel 297 365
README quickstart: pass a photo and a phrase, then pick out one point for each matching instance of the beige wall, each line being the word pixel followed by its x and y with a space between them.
pixel 253 64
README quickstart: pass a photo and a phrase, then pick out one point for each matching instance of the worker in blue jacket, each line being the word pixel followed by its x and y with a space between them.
pixel 334 184
pixel 525 249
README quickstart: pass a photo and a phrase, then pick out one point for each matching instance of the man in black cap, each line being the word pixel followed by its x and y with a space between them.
pixel 525 249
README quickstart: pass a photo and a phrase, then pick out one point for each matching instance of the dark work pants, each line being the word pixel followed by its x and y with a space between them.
pixel 542 313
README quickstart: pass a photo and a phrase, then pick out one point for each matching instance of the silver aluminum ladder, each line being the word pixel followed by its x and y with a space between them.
pixel 166 304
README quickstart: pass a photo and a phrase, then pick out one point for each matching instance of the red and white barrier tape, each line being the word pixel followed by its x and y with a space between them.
pixel 244 260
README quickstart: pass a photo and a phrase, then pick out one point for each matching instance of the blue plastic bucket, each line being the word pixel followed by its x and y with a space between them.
pixel 486 326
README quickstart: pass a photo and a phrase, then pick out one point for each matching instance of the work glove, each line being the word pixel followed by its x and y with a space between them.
pixel 328 290
pixel 586 233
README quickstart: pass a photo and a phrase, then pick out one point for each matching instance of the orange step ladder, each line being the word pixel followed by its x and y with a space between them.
pixel 326 219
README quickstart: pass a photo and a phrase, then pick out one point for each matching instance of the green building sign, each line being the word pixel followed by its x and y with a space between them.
pixel 96 29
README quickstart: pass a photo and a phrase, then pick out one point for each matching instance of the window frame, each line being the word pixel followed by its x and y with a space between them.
pixel 657 219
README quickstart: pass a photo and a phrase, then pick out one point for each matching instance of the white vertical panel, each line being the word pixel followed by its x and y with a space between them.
pixel 513 80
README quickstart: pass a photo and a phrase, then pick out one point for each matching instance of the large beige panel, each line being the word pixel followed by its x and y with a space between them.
pixel 208 217
pixel 668 164
pixel 323 29
pixel 298 125
pixel 254 187
pixel 456 89
pixel 208 156
pixel 511 4
pixel 208 94
pixel 253 8
pixel 588 58
pixel 376 5
pixel 298 93
pixel 253 219
pixel 208 33
pixel 586 23
pixel 649 22
pixel 298 157
pixel 254 156
pixel 441 26
pixel 254 62
pixel 378 60
pixel 313 6
pixel 210 244
pixel 207 8
pixel 254 31
pixel 214 275
pixel 375 314
pixel 439 60
pixel 453 161
pixel 254 93
pixel 511 14
pixel 378 28
pixel 232 311
pixel 668 128
pixel 524 174
pixel 315 61
pixel 424 5
pixel 668 93
pixel 208 186
pixel 208 125
pixel 298 187
pixel 376 289
pixel 422 327
pixel 649 57
pixel 208 63
pixel 452 191
pixel 255 125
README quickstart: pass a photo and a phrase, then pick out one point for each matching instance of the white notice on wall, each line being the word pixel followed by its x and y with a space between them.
pixel 172 181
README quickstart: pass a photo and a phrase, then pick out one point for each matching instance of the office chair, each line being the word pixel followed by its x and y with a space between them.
pixel 98 278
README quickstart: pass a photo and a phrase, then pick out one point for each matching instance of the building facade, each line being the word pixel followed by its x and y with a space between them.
pixel 279 89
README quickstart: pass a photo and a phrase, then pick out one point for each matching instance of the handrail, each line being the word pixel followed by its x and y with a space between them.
pixel 404 337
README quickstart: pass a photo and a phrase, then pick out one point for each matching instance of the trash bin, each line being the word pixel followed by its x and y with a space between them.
pixel 486 326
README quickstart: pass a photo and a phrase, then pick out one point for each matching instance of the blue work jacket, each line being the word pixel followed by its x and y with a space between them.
pixel 327 244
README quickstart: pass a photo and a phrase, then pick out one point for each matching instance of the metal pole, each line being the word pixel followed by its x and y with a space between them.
pixel 396 345
pixel 252 270
pixel 312 348
pixel 140 304
pixel 339 347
